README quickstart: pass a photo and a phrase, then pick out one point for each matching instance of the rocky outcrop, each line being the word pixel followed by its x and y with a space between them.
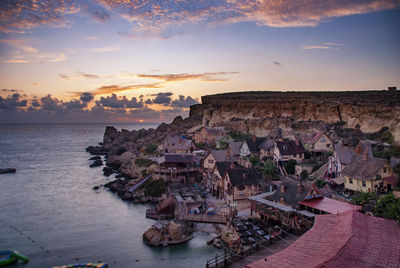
pixel 260 113
pixel 165 233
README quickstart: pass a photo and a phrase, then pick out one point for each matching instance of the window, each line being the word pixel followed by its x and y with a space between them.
pixel 210 161
pixel 364 184
pixel 384 170
pixel 351 180
pixel 378 177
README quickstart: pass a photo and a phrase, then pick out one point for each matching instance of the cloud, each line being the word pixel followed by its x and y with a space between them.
pixel 106 49
pixel 117 88
pixel 88 76
pixel 162 98
pixel 12 102
pixel 115 101
pixel 64 76
pixel 92 37
pixel 10 90
pixel 86 97
pixel 208 77
pixel 324 46
pixel 183 102
pixel 170 18
pixel 17 108
pixel 97 13
pixel 36 84
pixel 277 63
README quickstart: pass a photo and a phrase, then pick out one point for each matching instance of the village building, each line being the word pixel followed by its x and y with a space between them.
pixel 234 149
pixel 318 142
pixel 218 174
pixel 343 155
pixel 177 144
pixel 286 150
pixel 349 239
pixel 223 142
pixel 250 147
pixel 208 135
pixel 239 185
pixel 367 175
pixel 215 156
pixel 267 149
pixel 294 205
pixel 181 168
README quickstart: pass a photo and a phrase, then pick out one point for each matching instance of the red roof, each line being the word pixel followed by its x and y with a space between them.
pixel 329 205
pixel 350 239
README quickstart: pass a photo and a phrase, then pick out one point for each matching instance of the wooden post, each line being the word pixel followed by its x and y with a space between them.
pixel 216 260
pixel 207 265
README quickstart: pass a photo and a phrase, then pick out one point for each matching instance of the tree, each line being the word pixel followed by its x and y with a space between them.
pixel 320 183
pixel 270 169
pixel 304 174
pixel 151 148
pixel 290 166
pixel 388 207
pixel 154 187
pixel 254 161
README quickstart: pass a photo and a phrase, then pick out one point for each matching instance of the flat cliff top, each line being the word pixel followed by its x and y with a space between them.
pixel 371 96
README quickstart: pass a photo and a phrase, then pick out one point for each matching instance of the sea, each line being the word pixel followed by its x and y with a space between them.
pixel 50 213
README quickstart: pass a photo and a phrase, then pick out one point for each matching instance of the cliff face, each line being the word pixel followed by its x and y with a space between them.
pixel 260 113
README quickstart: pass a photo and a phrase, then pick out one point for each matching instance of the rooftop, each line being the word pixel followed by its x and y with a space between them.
pixel 242 176
pixel 349 239
pixel 179 158
pixel 364 169
pixel 329 205
pixel 290 147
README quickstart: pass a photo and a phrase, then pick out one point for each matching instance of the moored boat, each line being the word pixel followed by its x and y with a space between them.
pixel 10 256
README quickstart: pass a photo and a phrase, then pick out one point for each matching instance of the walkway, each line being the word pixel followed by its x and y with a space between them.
pixel 137 185
pixel 267 251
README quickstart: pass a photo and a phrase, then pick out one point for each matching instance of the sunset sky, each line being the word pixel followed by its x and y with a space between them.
pixel 148 61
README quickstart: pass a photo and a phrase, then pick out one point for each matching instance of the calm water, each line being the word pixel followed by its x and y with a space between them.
pixel 51 202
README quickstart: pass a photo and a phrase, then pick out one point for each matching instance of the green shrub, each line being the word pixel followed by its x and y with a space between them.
pixel 154 188
pixel 388 207
pixel 151 148
pixel 270 169
pixel 144 162
pixel 239 136
pixel 290 166
pixel 362 198
pixel 254 161
pixel 320 183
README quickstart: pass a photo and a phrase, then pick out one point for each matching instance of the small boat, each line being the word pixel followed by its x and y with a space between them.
pixel 10 256
pixel 7 170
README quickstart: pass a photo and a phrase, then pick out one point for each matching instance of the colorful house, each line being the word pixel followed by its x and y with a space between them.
pixel 209 135
pixel 286 150
pixel 251 147
pixel 367 175
pixel 318 142
pixel 176 144
pixel 240 184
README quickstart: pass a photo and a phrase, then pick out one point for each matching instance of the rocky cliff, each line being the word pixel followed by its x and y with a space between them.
pixel 261 112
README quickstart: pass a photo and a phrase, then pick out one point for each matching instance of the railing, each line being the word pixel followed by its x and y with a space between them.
pixel 204 218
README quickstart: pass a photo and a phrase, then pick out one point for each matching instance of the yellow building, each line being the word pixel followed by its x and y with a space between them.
pixel 367 174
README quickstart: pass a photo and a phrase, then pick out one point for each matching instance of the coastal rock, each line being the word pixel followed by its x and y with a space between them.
pixel 97 157
pixel 176 231
pixel 97 163
pixel 107 171
pixel 95 150
pixel 117 160
pixel 259 112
